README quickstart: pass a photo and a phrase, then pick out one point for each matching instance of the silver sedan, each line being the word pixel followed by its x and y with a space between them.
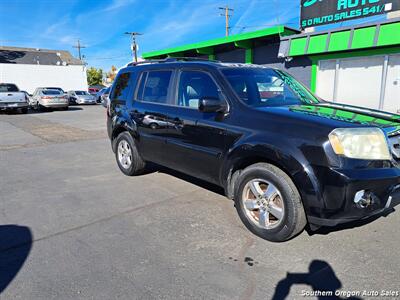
pixel 81 97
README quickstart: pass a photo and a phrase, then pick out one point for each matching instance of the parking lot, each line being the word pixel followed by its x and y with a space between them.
pixel 74 227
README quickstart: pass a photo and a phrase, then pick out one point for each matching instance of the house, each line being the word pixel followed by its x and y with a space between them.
pixel 30 68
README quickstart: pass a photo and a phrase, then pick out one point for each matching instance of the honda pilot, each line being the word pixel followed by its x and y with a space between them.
pixel 286 157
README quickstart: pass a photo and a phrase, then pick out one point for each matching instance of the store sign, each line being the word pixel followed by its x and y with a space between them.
pixel 321 12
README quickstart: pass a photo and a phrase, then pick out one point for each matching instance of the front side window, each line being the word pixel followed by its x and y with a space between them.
pixel 154 86
pixel 259 87
pixel 194 85
pixel 121 89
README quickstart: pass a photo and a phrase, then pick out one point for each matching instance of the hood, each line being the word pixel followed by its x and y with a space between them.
pixel 342 115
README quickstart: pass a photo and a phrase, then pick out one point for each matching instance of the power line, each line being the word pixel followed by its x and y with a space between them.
pixel 226 14
pixel 134 45
pixel 79 47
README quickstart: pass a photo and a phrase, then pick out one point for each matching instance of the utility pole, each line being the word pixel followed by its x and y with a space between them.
pixel 226 14
pixel 79 47
pixel 134 45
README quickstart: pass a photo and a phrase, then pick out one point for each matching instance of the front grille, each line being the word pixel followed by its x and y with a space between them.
pixel 394 143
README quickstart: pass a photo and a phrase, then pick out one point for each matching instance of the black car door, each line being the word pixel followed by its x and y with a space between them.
pixel 150 110
pixel 196 140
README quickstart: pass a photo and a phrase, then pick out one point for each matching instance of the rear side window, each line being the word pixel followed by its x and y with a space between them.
pixel 154 86
pixel 122 85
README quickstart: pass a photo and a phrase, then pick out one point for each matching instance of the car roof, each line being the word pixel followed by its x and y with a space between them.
pixel 187 62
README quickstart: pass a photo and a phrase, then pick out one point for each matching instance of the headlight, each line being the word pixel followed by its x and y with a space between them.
pixel 360 143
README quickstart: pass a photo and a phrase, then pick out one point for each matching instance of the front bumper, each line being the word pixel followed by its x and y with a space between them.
pixel 339 187
pixel 13 105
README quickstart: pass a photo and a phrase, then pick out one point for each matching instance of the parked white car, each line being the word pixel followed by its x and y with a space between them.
pixel 81 97
pixel 49 98
pixel 11 98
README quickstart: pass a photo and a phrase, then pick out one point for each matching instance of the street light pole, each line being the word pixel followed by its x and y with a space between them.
pixel 133 43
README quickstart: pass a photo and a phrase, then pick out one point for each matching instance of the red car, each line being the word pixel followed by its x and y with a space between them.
pixel 93 91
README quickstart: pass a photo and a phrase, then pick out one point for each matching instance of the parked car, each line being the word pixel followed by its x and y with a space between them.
pixel 49 98
pixel 104 96
pixel 11 98
pixel 286 157
pixel 80 97
pixel 93 91
pixel 98 95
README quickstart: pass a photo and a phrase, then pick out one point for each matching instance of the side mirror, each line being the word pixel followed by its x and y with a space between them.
pixel 211 104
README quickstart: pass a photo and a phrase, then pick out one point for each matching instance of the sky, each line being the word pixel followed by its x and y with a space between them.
pixel 100 25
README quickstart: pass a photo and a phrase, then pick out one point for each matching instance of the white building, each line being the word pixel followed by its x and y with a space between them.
pixel 30 68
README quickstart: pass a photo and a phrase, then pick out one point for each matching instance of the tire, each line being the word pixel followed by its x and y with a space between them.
pixel 24 110
pixel 277 196
pixel 153 126
pixel 39 107
pixel 125 147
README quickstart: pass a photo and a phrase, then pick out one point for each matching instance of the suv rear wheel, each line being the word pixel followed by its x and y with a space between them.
pixel 269 203
pixel 127 156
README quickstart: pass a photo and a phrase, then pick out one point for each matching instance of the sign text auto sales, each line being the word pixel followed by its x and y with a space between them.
pixel 320 12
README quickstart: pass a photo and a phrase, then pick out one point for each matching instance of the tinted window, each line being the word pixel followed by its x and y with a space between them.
pixel 143 78
pixel 81 93
pixel 267 87
pixel 55 88
pixel 121 88
pixel 155 86
pixel 193 86
pixel 8 88
pixel 51 92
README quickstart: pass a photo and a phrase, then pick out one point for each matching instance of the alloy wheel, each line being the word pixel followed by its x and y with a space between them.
pixel 124 154
pixel 263 203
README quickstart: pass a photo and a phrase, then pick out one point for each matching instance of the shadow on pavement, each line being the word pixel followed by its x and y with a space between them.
pixel 152 168
pixel 15 245
pixel 320 277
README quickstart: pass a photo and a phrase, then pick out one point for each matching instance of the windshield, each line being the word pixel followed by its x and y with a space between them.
pixel 51 92
pixel 81 93
pixel 263 87
pixel 8 88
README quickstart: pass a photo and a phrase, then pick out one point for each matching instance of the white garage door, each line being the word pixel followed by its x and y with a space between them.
pixel 370 81
pixel 392 86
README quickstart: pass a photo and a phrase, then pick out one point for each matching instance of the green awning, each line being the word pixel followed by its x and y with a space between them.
pixel 242 40
pixel 365 36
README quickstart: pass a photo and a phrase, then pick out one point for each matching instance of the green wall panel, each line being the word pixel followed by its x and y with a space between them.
pixel 363 37
pixel 317 43
pixel 248 56
pixel 297 46
pixel 389 34
pixel 339 41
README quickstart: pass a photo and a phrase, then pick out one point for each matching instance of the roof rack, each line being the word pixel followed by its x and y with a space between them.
pixel 170 59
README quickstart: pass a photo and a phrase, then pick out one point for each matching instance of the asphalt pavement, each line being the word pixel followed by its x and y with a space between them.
pixel 72 226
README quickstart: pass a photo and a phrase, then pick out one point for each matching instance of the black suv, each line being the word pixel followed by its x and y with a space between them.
pixel 286 157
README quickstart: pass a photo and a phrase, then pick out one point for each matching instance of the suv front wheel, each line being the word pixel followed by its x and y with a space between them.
pixel 269 203
pixel 127 156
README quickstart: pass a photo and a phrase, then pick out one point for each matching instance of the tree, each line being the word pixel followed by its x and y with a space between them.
pixel 94 76
pixel 111 75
